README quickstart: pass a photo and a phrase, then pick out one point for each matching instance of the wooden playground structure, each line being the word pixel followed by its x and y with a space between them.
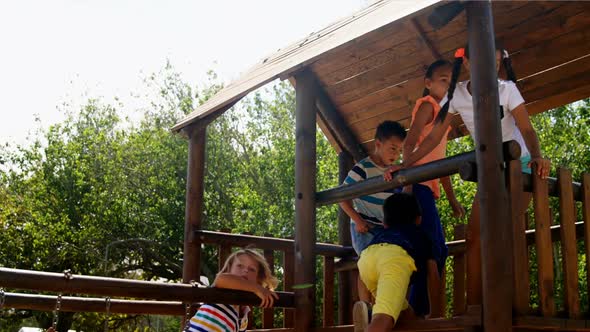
pixel 348 78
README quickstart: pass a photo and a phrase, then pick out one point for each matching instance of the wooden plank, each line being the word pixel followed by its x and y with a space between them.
pixel 569 248
pixel 565 83
pixel 260 242
pixel 586 216
pixel 389 61
pixel 520 263
pixel 328 291
pixel 558 100
pixel 459 267
pixel 473 257
pixel 556 74
pixel 195 187
pixel 543 245
pixel 374 42
pixel 305 205
pixel 345 164
pixel 268 313
pixel 288 282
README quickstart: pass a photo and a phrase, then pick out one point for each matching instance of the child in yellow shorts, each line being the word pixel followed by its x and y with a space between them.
pixel 387 264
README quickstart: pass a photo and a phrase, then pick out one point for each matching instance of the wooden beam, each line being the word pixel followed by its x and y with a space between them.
pixel 335 122
pixel 305 202
pixel 195 187
pixel 345 164
pixel 586 216
pixel 520 258
pixel 569 247
pixel 459 304
pixel 420 31
pixel 496 230
pixel 114 287
pixel 543 245
pixel 260 242
pixel 89 304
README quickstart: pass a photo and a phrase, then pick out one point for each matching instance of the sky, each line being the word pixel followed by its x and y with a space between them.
pixel 66 51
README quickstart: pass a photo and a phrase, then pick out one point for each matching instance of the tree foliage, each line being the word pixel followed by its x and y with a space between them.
pixel 101 195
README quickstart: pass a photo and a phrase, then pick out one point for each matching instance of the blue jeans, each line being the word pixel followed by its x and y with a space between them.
pixel 432 226
pixel 361 240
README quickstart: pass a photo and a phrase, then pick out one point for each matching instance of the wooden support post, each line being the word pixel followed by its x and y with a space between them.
pixel 586 216
pixel 328 309
pixel 268 314
pixel 520 300
pixel 288 281
pixel 191 266
pixel 345 164
pixel 223 252
pixel 305 190
pixel 496 229
pixel 459 305
pixel 569 247
pixel 543 244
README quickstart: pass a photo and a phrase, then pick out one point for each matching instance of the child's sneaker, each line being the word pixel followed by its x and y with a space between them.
pixel 360 316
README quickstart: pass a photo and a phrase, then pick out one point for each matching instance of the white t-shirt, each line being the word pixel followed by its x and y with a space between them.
pixel 510 98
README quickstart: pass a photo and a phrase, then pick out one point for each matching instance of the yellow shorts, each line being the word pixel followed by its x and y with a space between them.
pixel 386 270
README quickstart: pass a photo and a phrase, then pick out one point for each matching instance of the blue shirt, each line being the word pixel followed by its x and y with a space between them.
pixel 412 239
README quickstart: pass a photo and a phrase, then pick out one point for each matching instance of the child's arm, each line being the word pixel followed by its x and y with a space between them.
pixel 230 281
pixel 458 209
pixel 361 225
pixel 423 117
pixel 434 284
pixel 427 145
pixel 521 117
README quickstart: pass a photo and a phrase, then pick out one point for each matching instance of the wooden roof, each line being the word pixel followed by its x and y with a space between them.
pixel 371 64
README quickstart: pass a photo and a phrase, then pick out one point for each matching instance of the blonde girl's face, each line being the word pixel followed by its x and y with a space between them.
pixel 246 267
pixel 438 84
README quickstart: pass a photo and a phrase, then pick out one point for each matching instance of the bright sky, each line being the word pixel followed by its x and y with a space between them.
pixel 69 50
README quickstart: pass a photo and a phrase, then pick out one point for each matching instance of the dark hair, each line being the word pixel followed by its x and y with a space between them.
pixel 431 69
pixel 388 129
pixel 401 209
pixel 506 62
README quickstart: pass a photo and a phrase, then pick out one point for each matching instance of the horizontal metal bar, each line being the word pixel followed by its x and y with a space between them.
pixel 114 287
pixel 241 240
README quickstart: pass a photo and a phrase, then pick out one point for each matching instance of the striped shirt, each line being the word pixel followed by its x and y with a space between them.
pixel 218 318
pixel 369 207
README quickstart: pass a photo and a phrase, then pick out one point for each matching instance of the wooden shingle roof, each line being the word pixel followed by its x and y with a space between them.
pixel 371 64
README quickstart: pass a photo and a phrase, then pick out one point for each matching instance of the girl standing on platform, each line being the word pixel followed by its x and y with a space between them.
pixel 515 124
pixel 245 270
pixel 424 114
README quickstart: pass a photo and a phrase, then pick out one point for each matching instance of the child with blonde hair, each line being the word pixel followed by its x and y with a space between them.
pixel 245 270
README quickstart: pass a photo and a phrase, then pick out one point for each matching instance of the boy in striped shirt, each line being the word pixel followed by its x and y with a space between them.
pixel 366 212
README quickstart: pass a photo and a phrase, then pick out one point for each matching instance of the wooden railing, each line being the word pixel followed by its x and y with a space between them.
pixel 284 248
